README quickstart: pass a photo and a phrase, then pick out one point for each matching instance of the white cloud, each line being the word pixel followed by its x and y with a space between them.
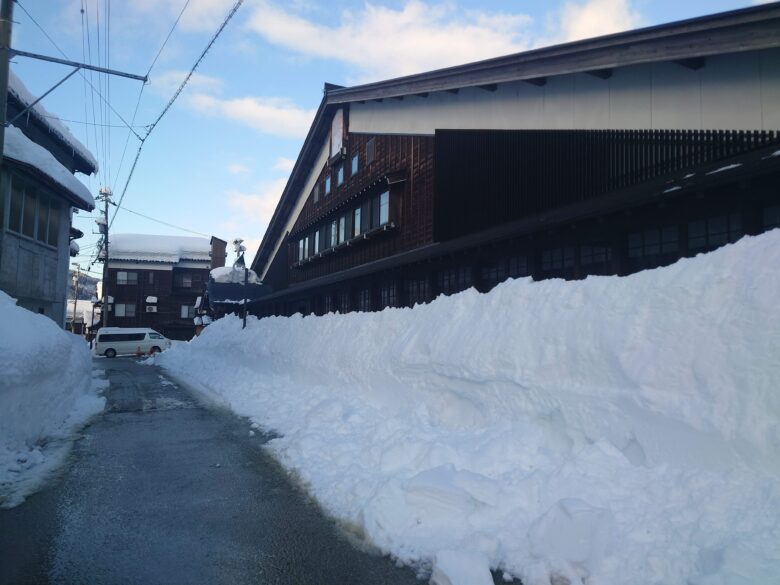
pixel 382 42
pixel 592 18
pixel 278 116
pixel 237 169
pixel 284 164
pixel 257 207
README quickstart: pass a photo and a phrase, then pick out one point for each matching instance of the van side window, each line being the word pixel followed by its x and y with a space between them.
pixel 155 336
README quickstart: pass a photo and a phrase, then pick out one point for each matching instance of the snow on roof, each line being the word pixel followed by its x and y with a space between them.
pixel 152 248
pixel 21 149
pixel 17 89
pixel 233 274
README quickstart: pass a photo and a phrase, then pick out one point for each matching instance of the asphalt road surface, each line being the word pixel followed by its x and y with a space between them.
pixel 160 489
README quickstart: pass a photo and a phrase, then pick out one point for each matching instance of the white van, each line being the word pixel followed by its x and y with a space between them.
pixel 112 341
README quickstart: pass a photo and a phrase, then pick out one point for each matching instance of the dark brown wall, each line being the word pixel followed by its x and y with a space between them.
pixel 411 202
pixel 167 320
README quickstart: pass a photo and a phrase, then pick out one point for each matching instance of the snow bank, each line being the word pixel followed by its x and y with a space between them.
pixel 611 430
pixel 17 88
pixel 47 392
pixel 21 149
pixel 153 248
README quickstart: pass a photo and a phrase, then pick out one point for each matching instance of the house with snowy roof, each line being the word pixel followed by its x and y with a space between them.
pixel 38 195
pixel 604 156
pixel 154 280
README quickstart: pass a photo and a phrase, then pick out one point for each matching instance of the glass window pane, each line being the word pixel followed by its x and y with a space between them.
pixel 717 228
pixel 669 240
pixel 354 164
pixel 652 242
pixel 384 208
pixel 697 235
pixel 340 175
pixel 357 220
pixel 17 202
pixel 317 242
pixel 735 227
pixel 54 223
pixel 30 209
pixel 43 218
pixel 771 217
pixel 342 228
pixel 327 185
pixel 568 257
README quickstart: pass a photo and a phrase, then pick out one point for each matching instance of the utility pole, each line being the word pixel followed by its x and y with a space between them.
pixel 6 20
pixel 77 277
pixel 105 195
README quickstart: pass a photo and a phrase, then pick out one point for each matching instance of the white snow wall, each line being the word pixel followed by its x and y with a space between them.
pixel 610 430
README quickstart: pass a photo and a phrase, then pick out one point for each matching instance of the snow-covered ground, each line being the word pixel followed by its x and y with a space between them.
pixel 605 431
pixel 47 392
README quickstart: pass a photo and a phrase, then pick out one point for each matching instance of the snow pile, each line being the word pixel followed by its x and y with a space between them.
pixel 18 90
pixel 47 392
pixel 611 430
pixel 21 149
pixel 152 248
pixel 234 274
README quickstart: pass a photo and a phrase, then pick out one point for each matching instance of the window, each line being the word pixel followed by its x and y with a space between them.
pixel 354 169
pixel 653 242
pixel 356 221
pixel 306 247
pixel 454 280
pixel 370 151
pixel 558 259
pixel 187 312
pixel 594 254
pixel 182 280
pixel 714 231
pixel 342 228
pixel 417 291
pixel 30 209
pixel 300 249
pixel 327 185
pixel 124 310
pixel 334 232
pixel 518 267
pixel 317 242
pixel 494 273
pixel 155 336
pixel 151 277
pixel 329 304
pixel 127 278
pixel 771 217
pixel 344 303
pixel 54 223
pixel 364 299
pixel 43 218
pixel 315 193
pixel 388 295
pixel 17 203
pixel 384 208
pixel 340 175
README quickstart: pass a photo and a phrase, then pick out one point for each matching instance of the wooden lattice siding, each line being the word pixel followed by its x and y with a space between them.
pixel 484 178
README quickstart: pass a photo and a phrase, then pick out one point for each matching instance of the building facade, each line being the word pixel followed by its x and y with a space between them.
pixel 604 156
pixel 155 281
pixel 38 196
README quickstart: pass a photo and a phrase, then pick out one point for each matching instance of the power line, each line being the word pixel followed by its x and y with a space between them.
pixel 165 222
pixel 56 46
pixel 140 93
pixel 170 103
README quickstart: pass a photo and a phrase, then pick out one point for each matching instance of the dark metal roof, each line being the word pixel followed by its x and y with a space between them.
pixel 748 29
pixel 685 41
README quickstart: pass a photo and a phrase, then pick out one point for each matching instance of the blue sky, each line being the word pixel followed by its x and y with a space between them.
pixel 219 159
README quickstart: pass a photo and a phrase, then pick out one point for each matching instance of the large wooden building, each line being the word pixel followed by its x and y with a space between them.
pixel 604 156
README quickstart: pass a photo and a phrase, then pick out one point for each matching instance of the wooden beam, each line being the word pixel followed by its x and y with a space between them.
pixel 694 63
pixel 489 87
pixel 600 73
pixel 537 81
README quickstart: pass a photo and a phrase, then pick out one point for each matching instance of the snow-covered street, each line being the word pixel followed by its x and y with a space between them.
pixel 162 490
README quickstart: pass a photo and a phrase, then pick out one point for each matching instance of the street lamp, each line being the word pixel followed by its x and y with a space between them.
pixel 238 246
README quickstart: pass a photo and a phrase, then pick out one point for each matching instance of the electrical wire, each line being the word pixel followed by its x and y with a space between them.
pixel 170 103
pixel 166 223
pixel 56 46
